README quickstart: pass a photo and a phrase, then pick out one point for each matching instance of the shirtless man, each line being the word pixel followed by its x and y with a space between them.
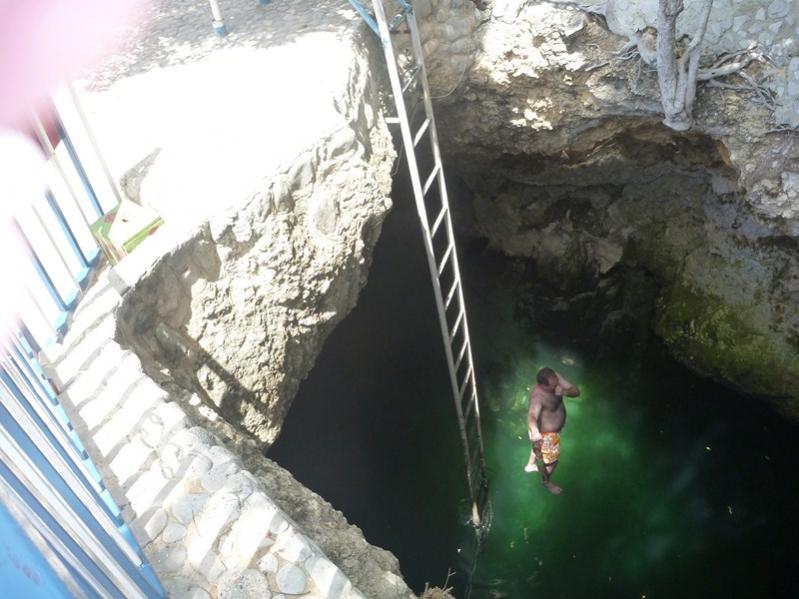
pixel 545 420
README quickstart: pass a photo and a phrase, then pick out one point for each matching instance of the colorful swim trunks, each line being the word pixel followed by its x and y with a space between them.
pixel 550 447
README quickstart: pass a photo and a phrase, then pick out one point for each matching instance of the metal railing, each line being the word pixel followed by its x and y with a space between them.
pixel 62 530
pixel 218 21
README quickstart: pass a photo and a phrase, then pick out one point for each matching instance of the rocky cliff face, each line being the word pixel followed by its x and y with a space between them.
pixel 238 312
pixel 559 137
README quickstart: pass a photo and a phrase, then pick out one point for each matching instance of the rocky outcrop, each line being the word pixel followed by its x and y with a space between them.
pixel 559 137
pixel 767 26
pixel 237 312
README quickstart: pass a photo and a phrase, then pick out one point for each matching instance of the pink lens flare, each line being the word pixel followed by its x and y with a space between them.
pixel 42 42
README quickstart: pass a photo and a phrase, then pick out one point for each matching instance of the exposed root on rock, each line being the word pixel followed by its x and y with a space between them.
pixel 438 592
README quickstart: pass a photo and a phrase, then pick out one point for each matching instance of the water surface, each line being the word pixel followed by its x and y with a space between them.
pixel 673 486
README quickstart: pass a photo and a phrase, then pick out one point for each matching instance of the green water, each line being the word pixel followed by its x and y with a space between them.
pixel 673 486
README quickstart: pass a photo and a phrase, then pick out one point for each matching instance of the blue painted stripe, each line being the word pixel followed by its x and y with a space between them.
pixel 23 569
pixel 77 506
pixel 51 438
pixel 56 411
pixel 28 343
pixel 76 576
pixel 62 303
pixel 36 373
pixel 62 221
pixel 76 162
pixel 52 523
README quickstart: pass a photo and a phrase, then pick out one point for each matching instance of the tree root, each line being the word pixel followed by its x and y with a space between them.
pixel 741 59
pixel 627 52
pixel 677 76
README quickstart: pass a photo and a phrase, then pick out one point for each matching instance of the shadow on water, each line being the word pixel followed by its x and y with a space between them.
pixel 674 486
pixel 372 428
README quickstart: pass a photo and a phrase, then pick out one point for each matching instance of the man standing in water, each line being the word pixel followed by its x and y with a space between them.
pixel 545 419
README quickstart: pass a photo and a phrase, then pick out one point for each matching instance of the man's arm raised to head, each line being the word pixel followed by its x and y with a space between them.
pixel 568 389
pixel 532 417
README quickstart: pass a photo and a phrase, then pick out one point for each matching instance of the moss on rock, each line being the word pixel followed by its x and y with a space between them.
pixel 716 338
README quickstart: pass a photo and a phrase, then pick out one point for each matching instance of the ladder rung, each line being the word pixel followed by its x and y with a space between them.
pixel 392 120
pixel 451 293
pixel 443 262
pixel 465 383
pixel 430 179
pixel 469 406
pixel 411 78
pixel 438 221
pixel 461 353
pixel 421 132
pixel 456 326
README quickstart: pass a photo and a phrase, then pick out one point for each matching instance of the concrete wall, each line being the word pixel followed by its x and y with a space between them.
pixel 207 524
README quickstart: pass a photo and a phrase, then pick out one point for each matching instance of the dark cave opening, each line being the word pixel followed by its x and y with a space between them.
pixel 675 485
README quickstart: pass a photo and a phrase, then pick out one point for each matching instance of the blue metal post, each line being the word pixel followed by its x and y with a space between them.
pixel 87 261
pixel 53 524
pixel 56 480
pixel 218 23
pixel 73 155
pixel 23 400
pixel 366 17
pixel 23 569
pixel 66 304
pixel 36 374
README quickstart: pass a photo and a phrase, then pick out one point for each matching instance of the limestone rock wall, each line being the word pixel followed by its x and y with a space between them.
pixel 237 312
pixel 770 26
pixel 560 140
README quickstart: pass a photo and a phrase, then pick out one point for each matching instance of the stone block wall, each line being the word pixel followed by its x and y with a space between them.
pixel 206 523
pixel 200 504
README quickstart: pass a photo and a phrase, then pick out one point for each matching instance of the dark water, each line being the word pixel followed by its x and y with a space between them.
pixel 674 486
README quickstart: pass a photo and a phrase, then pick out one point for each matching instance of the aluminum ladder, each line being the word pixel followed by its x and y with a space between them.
pixel 407 74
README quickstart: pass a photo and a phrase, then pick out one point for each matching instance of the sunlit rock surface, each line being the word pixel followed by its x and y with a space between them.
pixel 560 140
pixel 273 189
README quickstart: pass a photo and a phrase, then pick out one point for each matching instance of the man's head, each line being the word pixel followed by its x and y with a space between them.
pixel 547 378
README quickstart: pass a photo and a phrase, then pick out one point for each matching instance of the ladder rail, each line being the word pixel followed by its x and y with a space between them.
pixel 420 189
pixel 433 132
